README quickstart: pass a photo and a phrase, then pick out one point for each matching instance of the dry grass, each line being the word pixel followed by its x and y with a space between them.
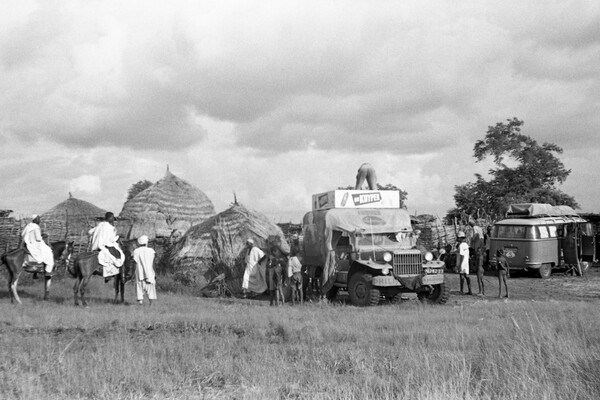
pixel 186 347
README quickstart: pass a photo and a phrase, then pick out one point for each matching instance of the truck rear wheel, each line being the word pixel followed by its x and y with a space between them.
pixel 361 291
pixel 439 295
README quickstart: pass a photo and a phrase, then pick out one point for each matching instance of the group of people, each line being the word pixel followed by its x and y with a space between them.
pixel 104 240
pixel 270 272
pixel 480 247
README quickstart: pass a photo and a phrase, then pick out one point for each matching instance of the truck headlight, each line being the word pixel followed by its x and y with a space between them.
pixel 387 257
pixel 428 256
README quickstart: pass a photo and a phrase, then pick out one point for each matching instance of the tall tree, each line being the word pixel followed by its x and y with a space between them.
pixel 138 187
pixel 533 179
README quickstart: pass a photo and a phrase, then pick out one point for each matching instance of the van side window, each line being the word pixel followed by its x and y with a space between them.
pixel 543 232
pixel 552 231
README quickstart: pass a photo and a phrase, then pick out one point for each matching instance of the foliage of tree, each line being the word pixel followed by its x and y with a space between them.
pixel 138 187
pixel 533 180
pixel 387 186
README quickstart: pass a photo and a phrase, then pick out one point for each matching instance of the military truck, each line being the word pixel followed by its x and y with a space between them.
pixel 363 242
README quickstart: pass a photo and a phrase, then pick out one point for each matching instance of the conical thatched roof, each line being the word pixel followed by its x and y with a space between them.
pixel 76 216
pixel 220 240
pixel 170 205
pixel 237 223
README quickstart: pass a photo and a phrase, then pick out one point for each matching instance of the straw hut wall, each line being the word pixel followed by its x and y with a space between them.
pixel 434 234
pixel 71 219
pixel 169 207
pixel 10 233
pixel 217 245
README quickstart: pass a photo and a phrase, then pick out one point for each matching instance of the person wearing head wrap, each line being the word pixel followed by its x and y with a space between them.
pixel 145 278
pixel 34 242
pixel 104 240
pixel 254 279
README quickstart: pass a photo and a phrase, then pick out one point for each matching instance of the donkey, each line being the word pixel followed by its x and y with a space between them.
pixel 86 264
pixel 15 262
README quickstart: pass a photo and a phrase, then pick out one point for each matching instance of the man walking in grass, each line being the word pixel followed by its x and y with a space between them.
pixel 145 278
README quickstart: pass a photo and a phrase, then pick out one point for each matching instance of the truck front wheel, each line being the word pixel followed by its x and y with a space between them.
pixel 438 295
pixel 360 290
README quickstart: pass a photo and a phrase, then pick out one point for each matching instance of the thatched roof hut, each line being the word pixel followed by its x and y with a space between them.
pixel 216 245
pixel 168 207
pixel 73 217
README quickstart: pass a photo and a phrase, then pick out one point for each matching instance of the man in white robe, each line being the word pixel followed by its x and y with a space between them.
pixel 255 274
pixel 39 250
pixel 145 278
pixel 104 236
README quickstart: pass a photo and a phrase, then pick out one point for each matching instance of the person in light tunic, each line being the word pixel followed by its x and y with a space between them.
pixel 39 250
pixel 145 278
pixel 104 240
pixel 255 274
pixel 463 262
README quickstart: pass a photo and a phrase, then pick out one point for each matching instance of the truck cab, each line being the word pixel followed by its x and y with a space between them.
pixel 371 252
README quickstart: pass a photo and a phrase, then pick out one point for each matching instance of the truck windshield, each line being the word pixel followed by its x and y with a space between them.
pixel 384 240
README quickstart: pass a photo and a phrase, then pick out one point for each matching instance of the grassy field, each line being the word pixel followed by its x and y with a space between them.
pixel 194 348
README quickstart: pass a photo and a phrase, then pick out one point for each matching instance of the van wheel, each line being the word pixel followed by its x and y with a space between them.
pixel 361 291
pixel 545 271
pixel 439 295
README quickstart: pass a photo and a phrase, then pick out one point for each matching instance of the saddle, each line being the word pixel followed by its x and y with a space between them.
pixel 33 266
pixel 30 264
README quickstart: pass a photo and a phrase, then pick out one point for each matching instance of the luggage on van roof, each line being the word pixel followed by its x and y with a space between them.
pixel 533 210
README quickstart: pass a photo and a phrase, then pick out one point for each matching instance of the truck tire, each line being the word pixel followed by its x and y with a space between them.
pixel 375 296
pixel 439 295
pixel 545 271
pixel 361 291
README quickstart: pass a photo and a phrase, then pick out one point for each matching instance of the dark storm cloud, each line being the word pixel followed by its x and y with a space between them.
pixel 290 77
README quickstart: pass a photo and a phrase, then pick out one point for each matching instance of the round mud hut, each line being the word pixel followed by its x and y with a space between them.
pixel 71 219
pixel 216 246
pixel 166 209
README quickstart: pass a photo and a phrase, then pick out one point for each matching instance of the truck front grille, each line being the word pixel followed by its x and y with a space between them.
pixel 407 264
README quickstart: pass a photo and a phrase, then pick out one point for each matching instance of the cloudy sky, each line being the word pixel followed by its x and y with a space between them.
pixel 277 100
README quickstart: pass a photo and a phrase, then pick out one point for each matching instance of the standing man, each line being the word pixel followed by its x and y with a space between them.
pixel 145 278
pixel 104 240
pixel 463 262
pixel 254 276
pixel 478 245
pixel 366 171
pixel 34 242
